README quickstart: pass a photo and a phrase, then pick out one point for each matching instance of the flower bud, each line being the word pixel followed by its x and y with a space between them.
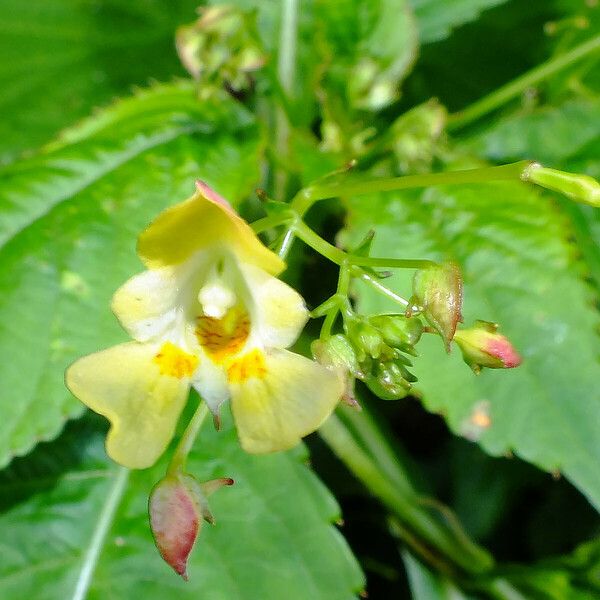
pixel 482 346
pixel 177 506
pixel 337 353
pixel 580 188
pixel 398 331
pixel 438 289
pixel 220 48
pixel 366 339
pixel 388 382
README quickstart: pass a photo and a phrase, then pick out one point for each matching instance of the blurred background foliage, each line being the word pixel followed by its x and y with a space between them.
pixel 381 82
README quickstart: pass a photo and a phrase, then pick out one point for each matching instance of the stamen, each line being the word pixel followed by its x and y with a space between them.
pixel 216 299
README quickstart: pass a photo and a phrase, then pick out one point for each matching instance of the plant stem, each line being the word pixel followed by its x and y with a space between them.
pixel 512 89
pixel 187 440
pixel 286 66
pixel 105 521
pixel 379 287
pixel 271 222
pixel 403 501
pixel 339 257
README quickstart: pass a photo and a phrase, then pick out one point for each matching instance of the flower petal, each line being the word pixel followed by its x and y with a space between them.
pixel 146 304
pixel 210 381
pixel 279 312
pixel 124 383
pixel 203 220
pixel 279 401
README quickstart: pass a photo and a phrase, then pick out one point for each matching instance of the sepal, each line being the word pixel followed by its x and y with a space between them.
pixel 177 506
pixel 438 290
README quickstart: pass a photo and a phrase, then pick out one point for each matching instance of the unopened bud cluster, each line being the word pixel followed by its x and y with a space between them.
pixel 376 349
pixel 373 350
pixel 220 49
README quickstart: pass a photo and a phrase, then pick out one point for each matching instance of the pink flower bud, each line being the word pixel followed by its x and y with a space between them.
pixel 483 346
pixel 177 506
pixel 438 290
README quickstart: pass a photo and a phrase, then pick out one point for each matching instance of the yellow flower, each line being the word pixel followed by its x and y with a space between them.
pixel 208 313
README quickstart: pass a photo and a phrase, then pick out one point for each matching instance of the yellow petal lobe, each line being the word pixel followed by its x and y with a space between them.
pixel 202 221
pixel 174 362
pixel 249 366
pixel 279 398
pixel 124 383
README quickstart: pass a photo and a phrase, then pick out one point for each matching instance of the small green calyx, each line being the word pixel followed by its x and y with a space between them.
pixel 389 382
pixel 438 289
pixel 580 188
pixel 337 352
pixel 366 339
pixel 399 331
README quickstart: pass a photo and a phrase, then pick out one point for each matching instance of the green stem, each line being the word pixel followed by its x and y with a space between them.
pixel 187 440
pixel 307 197
pixel 105 521
pixel 514 88
pixel 339 257
pixel 286 66
pixel 379 287
pixel 403 502
pixel 272 222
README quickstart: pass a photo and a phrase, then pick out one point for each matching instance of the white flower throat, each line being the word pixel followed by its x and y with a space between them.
pixel 216 296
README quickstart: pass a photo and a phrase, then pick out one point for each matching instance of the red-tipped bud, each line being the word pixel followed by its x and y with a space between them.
pixel 177 507
pixel 438 290
pixel 483 346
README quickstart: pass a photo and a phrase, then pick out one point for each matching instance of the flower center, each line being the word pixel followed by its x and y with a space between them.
pixel 173 361
pixel 250 365
pixel 216 297
pixel 222 338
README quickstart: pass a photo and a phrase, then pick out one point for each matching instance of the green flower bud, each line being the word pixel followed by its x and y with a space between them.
pixel 438 289
pixel 367 339
pixel 398 331
pixel 337 352
pixel 580 188
pixel 177 506
pixel 388 382
pixel 482 346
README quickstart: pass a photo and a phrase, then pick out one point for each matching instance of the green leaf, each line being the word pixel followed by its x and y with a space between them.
pixel 426 585
pixel 68 228
pixel 520 271
pixel 552 135
pixel 71 521
pixel 62 58
pixel 565 136
pixel 437 18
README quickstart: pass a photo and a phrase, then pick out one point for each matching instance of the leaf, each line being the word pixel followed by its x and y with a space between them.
pixel 437 18
pixel 552 135
pixel 72 519
pixel 519 271
pixel 62 58
pixel 68 228
pixel 425 585
pixel 566 136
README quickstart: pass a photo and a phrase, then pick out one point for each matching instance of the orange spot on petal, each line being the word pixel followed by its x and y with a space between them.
pixel 251 365
pixel 174 362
